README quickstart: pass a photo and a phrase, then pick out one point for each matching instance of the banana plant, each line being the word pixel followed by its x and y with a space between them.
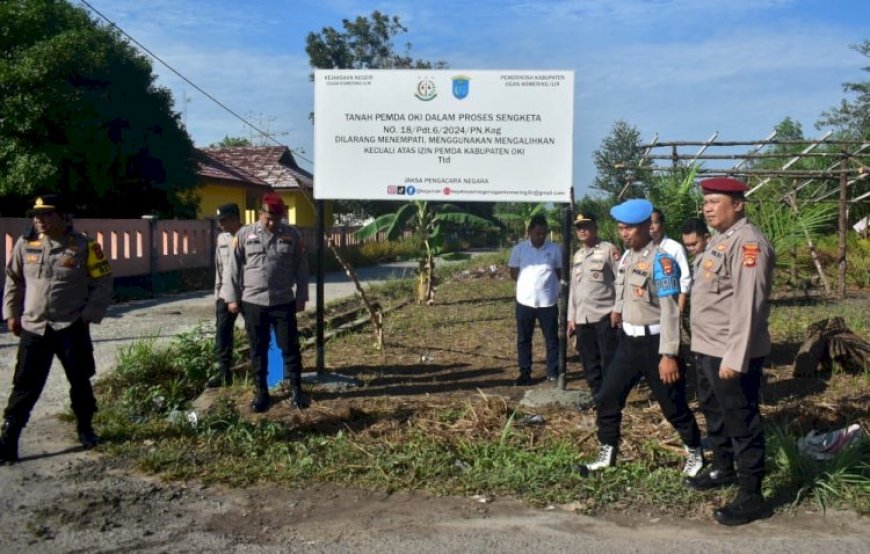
pixel 425 220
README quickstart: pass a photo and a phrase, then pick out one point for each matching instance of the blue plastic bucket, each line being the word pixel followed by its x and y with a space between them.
pixel 276 363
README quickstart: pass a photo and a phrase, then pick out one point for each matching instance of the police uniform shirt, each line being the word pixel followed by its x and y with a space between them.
pixel 221 259
pixel 593 273
pixel 729 297
pixel 537 283
pixel 263 267
pixel 648 285
pixel 54 283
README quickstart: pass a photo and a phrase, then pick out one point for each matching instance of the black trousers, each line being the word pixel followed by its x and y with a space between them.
pixel 259 321
pixel 636 356
pixel 74 349
pixel 549 319
pixel 596 343
pixel 225 323
pixel 734 423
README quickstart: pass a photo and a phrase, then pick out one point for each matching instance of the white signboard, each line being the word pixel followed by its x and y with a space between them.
pixel 443 135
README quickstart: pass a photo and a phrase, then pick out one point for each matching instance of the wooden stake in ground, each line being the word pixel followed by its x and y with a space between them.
pixel 374 309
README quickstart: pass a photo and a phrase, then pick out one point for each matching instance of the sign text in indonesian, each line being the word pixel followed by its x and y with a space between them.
pixel 443 135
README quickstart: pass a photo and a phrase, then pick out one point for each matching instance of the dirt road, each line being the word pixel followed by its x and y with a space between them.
pixel 61 499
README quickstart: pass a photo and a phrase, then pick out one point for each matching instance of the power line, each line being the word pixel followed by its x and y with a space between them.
pixel 194 85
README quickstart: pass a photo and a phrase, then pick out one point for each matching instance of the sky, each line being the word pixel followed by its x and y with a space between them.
pixel 678 69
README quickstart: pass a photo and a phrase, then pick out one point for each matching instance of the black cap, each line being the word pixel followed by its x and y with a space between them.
pixel 227 210
pixel 584 218
pixel 49 203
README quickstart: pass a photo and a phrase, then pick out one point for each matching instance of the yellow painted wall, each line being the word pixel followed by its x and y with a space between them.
pixel 211 196
pixel 301 213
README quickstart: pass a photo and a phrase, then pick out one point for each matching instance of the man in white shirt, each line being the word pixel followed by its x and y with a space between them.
pixel 675 249
pixel 536 265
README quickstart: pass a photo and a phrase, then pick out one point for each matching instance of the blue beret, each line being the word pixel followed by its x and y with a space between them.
pixel 632 212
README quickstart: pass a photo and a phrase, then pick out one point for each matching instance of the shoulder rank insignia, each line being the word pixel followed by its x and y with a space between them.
pixel 750 254
pixel 97 264
pixel 666 273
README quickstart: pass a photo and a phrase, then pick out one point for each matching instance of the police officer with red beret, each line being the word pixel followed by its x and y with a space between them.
pixel 58 282
pixel 267 262
pixel 730 336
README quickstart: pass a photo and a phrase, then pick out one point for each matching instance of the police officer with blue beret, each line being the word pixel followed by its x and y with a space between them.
pixel 730 337
pixel 647 287
pixel 58 282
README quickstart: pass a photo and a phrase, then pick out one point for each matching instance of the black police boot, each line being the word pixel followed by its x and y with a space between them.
pixel 87 436
pixel 523 380
pixel 10 432
pixel 261 399
pixel 711 479
pixel 747 507
pixel 298 399
pixel 222 379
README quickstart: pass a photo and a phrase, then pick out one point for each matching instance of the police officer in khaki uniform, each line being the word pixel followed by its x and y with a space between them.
pixel 731 338
pixel 58 282
pixel 648 284
pixel 267 260
pixel 225 322
pixel 591 300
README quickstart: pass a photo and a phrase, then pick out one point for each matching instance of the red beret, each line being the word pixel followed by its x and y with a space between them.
pixel 723 184
pixel 274 204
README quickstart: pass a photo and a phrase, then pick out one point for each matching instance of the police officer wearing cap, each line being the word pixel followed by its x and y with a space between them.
pixel 267 261
pixel 225 322
pixel 647 286
pixel 731 338
pixel 58 282
pixel 591 299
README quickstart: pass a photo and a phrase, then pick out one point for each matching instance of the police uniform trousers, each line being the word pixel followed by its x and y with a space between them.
pixel 734 424
pixel 596 343
pixel 74 349
pixel 636 356
pixel 549 319
pixel 259 321
pixel 225 324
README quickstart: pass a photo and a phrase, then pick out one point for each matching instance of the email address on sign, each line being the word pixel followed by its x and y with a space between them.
pixel 525 192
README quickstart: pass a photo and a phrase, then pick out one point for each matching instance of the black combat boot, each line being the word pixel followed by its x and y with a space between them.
pixel 298 399
pixel 222 379
pixel 261 398
pixel 10 432
pixel 746 507
pixel 714 478
pixel 87 436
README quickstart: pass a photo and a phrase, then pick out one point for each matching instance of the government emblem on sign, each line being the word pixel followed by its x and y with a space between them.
pixel 460 86
pixel 426 90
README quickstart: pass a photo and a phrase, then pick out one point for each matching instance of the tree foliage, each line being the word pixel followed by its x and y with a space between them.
pixel 617 162
pixel 676 195
pixel 364 43
pixel 229 141
pixel 852 118
pixel 81 114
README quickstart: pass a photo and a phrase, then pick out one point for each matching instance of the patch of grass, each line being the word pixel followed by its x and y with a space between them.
pixel 419 424
pixel 789 321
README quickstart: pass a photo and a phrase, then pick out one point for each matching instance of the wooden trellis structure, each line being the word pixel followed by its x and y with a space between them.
pixel 844 173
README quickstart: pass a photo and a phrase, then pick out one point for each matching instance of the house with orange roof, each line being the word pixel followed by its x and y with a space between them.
pixel 273 166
